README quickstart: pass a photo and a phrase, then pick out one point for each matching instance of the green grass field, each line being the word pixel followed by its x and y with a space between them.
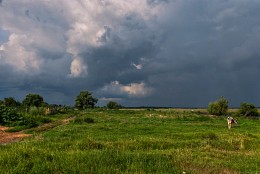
pixel 138 141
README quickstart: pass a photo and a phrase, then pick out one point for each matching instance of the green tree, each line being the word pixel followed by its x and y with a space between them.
pixel 113 105
pixel 10 102
pixel 85 100
pixel 219 107
pixel 247 109
pixel 33 100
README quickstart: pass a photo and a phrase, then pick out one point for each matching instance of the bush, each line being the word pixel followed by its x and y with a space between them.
pixel 33 110
pixel 29 121
pixel 247 109
pixel 219 107
pixel 8 115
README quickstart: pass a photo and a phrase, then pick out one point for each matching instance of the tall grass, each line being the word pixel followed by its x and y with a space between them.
pixel 138 141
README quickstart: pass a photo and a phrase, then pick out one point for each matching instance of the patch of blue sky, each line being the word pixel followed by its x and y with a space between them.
pixel 4 35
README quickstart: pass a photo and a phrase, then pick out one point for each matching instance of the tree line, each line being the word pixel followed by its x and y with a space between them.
pixel 31 111
pixel 83 100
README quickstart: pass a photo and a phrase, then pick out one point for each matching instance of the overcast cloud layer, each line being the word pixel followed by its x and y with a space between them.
pixel 137 52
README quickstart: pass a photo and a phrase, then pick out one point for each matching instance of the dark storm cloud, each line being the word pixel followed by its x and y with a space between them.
pixel 120 59
pixel 204 46
pixel 149 52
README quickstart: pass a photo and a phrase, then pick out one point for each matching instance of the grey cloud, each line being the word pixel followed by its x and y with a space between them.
pixel 156 2
pixel 105 36
pixel 194 46
pixel 191 52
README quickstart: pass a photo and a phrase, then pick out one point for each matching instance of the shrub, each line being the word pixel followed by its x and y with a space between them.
pixel 28 121
pixel 247 109
pixel 8 115
pixel 219 107
pixel 33 110
pixel 212 108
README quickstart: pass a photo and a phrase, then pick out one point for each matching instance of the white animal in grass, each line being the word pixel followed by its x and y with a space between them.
pixel 231 121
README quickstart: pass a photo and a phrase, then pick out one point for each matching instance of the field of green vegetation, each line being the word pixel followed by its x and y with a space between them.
pixel 138 141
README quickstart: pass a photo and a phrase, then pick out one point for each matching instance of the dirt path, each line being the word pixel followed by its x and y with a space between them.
pixel 10 137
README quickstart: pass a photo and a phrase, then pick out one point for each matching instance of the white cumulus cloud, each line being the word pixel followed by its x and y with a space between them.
pixel 132 89
pixel 77 68
pixel 17 54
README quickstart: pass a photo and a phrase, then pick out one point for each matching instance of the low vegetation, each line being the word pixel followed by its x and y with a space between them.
pixel 86 139
pixel 137 141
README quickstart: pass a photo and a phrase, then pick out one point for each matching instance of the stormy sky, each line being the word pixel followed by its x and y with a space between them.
pixel 172 53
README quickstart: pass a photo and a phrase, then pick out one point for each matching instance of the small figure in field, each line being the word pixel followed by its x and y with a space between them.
pixel 231 121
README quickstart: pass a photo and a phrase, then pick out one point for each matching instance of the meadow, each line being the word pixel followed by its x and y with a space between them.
pixel 137 141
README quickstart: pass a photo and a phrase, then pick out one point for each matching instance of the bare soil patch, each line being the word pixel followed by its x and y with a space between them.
pixel 10 137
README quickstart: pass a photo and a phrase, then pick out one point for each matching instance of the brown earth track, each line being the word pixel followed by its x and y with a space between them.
pixel 10 137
